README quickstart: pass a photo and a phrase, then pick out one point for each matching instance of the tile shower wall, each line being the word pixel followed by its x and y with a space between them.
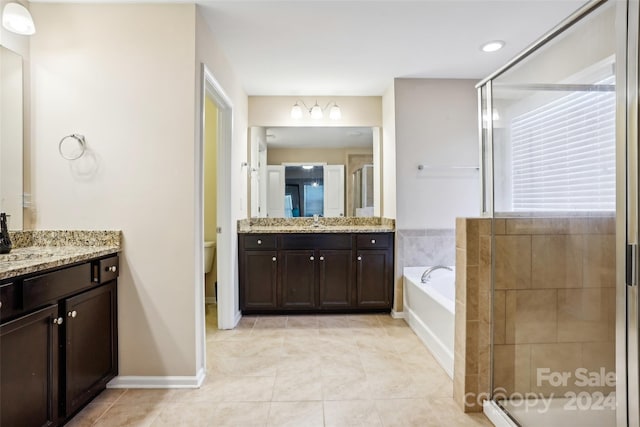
pixel 472 345
pixel 554 301
pixel 418 248
pixel 554 304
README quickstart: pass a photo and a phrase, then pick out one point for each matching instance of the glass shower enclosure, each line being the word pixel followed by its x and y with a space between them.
pixel 557 138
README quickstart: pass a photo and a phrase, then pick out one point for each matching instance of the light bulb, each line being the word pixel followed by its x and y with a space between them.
pixel 296 111
pixel 17 19
pixel 493 46
pixel 335 113
pixel 316 111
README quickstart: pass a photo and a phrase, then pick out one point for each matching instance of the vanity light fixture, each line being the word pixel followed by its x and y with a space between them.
pixel 17 19
pixel 316 112
pixel 492 46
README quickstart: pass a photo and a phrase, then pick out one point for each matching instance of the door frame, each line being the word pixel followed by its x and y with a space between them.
pixel 210 88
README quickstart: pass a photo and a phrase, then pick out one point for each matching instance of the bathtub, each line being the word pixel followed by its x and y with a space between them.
pixel 429 309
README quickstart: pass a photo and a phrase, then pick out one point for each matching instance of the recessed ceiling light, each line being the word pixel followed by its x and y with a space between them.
pixel 492 46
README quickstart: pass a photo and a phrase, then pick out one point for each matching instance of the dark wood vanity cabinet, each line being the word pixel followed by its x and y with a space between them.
pixel 58 343
pixel 319 272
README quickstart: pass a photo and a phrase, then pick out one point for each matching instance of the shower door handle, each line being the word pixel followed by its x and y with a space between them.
pixel 632 265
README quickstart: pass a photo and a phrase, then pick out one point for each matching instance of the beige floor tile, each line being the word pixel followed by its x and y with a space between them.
pixel 89 415
pixel 219 365
pixel 351 413
pixel 389 363
pixel 343 364
pixel 408 413
pixel 302 322
pixel 374 345
pixel 448 413
pixel 142 396
pixel 332 322
pixel 126 415
pixel 185 415
pixel 297 388
pixel 247 389
pixel 296 414
pixel 384 386
pixel 295 365
pixel 245 414
pixel 345 387
pixel 110 395
pixel 256 366
pixel 270 322
pixel 364 320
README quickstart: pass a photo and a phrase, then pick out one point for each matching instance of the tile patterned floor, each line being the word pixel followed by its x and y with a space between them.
pixel 299 371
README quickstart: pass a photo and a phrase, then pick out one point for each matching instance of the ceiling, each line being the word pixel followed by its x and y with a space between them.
pixel 319 137
pixel 355 48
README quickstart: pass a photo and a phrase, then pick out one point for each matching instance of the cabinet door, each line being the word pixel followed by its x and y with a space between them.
pixel 335 278
pixel 298 279
pixel 29 370
pixel 91 344
pixel 374 280
pixel 258 280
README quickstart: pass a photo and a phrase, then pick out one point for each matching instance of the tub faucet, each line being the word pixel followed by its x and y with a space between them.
pixel 427 273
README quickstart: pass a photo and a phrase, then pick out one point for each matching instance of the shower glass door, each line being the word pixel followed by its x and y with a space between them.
pixel 552 121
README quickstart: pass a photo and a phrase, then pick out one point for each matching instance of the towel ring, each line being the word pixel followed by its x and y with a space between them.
pixel 71 153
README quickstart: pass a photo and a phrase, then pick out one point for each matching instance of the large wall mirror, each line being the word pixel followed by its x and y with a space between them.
pixel 11 142
pixel 306 171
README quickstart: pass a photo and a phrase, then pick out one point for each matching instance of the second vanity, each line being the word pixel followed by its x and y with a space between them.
pixel 58 324
pixel 296 266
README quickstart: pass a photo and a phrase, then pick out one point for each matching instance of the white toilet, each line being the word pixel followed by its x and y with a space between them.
pixel 209 255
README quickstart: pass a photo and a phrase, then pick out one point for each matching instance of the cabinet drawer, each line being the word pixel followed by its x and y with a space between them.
pixel 10 300
pixel 106 269
pixel 381 240
pixel 316 241
pixel 259 241
pixel 39 290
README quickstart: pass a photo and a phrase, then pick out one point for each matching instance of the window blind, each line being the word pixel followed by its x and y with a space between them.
pixel 563 154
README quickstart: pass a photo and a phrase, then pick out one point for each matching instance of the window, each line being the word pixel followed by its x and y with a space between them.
pixel 563 153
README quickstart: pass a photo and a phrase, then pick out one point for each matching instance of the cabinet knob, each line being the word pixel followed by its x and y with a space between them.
pixel 359 258
pixel 311 258
pixel 321 258
pixel 58 321
pixel 72 313
pixel 373 241
pixel 273 259
pixel 111 269
pixel 259 241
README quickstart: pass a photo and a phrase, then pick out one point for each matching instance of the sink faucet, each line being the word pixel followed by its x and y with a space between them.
pixel 427 273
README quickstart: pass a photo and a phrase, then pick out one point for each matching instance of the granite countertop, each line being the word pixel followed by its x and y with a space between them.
pixel 35 251
pixel 326 225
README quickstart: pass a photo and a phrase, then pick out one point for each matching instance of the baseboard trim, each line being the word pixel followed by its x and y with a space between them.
pixel 397 314
pixel 237 318
pixel 158 382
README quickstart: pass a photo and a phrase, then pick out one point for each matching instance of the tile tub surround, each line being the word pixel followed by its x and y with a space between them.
pixel 41 250
pixel 421 248
pixel 554 302
pixel 327 225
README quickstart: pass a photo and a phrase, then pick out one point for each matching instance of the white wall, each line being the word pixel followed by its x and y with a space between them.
pixel 388 157
pixel 436 124
pixel 123 76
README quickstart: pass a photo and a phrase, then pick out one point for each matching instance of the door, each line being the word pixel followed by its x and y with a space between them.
pixel 333 190
pixel 335 278
pixel 275 191
pixel 91 344
pixel 373 278
pixel 29 369
pixel 627 226
pixel 258 280
pixel 298 279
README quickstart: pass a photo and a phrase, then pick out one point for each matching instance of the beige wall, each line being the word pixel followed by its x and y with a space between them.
pixel 331 156
pixel 127 77
pixel 436 124
pixel 208 52
pixel 276 111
